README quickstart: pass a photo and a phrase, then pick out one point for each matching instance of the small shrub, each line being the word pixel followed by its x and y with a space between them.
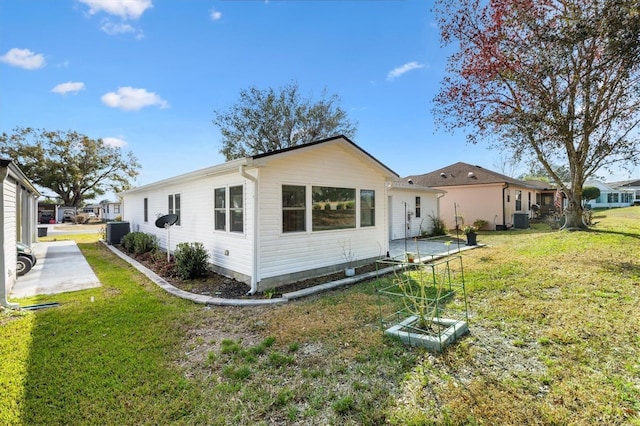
pixel 340 206
pixel 81 218
pixel 327 206
pixel 480 223
pixel 139 243
pixel 192 260
pixel 437 225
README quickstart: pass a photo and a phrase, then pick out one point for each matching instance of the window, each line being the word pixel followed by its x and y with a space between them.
pixel 612 197
pixel 232 208
pixel 220 209
pixel 236 215
pixel 418 207
pixel 518 200
pixel 333 208
pixel 146 210
pixel 293 208
pixel 174 206
pixel 116 208
pixel 368 207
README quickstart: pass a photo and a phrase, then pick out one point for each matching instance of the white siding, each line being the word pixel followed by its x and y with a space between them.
pixel 196 219
pixel 286 253
pixel 10 232
pixel 407 198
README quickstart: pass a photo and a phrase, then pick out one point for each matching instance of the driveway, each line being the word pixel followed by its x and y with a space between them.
pixel 61 267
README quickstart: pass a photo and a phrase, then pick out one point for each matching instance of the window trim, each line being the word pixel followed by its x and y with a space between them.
pixel 227 210
pixel 174 206
pixel 302 209
pixel 222 210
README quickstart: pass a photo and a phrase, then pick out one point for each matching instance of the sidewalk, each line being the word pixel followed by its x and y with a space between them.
pixel 61 267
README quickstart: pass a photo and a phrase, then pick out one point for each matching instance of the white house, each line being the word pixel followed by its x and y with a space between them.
pixel 611 196
pixel 275 218
pixel 110 210
pixel 411 209
pixel 19 215
pixel 632 185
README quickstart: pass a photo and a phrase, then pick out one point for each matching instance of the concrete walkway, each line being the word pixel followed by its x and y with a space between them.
pixel 61 267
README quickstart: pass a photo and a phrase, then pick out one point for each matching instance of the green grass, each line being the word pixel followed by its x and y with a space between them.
pixel 553 340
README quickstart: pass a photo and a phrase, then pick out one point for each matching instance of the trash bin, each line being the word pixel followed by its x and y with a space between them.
pixel 521 220
pixel 115 232
pixel 42 231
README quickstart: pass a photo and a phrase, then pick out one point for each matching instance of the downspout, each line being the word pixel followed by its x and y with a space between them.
pixel 4 172
pixel 256 208
pixel 504 208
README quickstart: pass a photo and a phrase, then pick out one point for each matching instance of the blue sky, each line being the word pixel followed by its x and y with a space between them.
pixel 148 74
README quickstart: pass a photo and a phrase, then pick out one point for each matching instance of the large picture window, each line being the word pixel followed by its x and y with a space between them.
pixel 174 206
pixel 368 207
pixel 333 208
pixel 293 208
pixel 220 209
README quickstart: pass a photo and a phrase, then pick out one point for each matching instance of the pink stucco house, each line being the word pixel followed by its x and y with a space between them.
pixel 473 192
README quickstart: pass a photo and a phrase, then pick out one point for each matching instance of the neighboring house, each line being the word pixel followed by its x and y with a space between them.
pixel 473 192
pixel 633 185
pixel 110 210
pixel 411 209
pixel 275 218
pixel 610 195
pixel 92 210
pixel 19 211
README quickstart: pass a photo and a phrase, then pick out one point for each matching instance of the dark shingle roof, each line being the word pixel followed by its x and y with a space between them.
pixel 464 174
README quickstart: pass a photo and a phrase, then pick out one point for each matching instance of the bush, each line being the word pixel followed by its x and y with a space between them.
pixel 81 218
pixel 139 243
pixel 437 225
pixel 192 260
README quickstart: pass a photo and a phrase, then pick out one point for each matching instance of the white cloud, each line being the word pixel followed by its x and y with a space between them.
pixel 132 99
pixel 23 58
pixel 126 9
pixel 215 15
pixel 64 88
pixel 397 72
pixel 115 142
pixel 114 28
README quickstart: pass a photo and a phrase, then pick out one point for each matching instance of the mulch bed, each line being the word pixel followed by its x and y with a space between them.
pixel 217 285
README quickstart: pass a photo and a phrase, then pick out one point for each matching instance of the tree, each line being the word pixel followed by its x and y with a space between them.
pixel 538 172
pixel 556 80
pixel 267 120
pixel 70 164
pixel 590 193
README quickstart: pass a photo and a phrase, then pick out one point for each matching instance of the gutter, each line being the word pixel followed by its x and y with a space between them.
pixel 256 205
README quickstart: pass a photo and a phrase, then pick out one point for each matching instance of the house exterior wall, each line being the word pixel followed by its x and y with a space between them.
pixel 230 252
pixel 111 211
pixel 611 197
pixel 485 202
pixel 282 256
pixel 18 214
pixel 263 254
pixel 403 213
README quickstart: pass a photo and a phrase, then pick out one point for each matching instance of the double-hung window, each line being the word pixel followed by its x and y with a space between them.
pixel 220 209
pixel 294 208
pixel 174 206
pixel 518 200
pixel 418 207
pixel 368 207
pixel 229 203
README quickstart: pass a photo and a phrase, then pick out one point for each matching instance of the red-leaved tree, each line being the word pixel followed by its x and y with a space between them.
pixel 557 80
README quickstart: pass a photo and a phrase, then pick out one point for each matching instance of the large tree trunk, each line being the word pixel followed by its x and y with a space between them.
pixel 573 212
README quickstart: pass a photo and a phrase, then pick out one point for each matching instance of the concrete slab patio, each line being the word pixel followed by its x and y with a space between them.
pixel 61 267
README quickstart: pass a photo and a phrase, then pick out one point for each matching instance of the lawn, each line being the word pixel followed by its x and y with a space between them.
pixel 554 320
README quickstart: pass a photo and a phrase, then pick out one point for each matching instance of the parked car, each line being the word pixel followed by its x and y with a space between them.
pixel 26 259
pixel 68 216
pixel 46 216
